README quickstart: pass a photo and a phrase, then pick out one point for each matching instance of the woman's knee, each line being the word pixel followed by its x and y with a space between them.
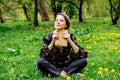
pixel 83 61
pixel 40 61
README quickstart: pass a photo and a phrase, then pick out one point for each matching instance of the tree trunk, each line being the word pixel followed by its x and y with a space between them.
pixel 35 14
pixel 116 12
pixel 1 19
pixel 116 17
pixel 43 11
pixel 80 12
pixel 25 12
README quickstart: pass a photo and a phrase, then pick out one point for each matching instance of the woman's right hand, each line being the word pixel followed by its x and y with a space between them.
pixel 55 36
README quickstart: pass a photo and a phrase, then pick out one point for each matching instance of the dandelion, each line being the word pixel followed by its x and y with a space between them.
pixel 118 51
pixel 68 78
pixel 101 51
pixel 106 69
pixel 88 47
pixel 119 64
pixel 21 50
pixel 113 70
pixel 92 64
pixel 87 69
pixel 100 69
pixel 83 74
pixel 100 72
pixel 33 56
pixel 91 79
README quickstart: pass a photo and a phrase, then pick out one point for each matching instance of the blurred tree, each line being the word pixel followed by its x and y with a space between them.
pixel 35 14
pixel 70 10
pixel 78 4
pixel 43 11
pixel 1 19
pixel 115 8
pixel 26 6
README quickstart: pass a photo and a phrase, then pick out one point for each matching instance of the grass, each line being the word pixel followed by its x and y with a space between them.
pixel 97 35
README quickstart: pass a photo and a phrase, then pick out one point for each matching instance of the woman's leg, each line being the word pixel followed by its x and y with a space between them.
pixel 76 66
pixel 44 65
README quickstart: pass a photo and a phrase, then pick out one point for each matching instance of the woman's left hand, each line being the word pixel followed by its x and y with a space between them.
pixel 66 36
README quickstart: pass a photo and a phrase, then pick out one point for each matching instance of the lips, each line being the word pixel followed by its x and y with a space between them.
pixel 58 25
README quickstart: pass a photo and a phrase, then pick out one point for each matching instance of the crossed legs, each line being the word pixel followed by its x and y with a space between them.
pixel 73 67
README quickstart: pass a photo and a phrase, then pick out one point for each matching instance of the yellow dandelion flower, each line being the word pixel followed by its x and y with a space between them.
pixel 100 72
pixel 68 78
pixel 118 51
pixel 33 56
pixel 100 68
pixel 92 64
pixel 83 74
pixel 119 64
pixel 88 47
pixel 106 69
pixel 113 70
pixel 21 50
pixel 91 79
pixel 87 69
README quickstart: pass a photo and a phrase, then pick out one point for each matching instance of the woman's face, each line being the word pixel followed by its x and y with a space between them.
pixel 60 23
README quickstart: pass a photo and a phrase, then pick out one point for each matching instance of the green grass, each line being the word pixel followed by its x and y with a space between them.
pixel 97 35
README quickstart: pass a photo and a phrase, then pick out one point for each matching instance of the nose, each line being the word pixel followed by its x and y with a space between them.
pixel 58 22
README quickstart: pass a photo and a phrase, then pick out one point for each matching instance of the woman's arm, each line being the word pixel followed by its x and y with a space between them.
pixel 54 36
pixel 73 45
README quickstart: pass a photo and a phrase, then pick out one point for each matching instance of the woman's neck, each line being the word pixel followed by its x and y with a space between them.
pixel 59 30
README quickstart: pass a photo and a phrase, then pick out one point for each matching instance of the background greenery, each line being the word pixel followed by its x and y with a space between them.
pixel 20 40
pixel 97 35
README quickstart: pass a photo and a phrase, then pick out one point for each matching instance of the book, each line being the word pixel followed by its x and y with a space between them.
pixel 61 42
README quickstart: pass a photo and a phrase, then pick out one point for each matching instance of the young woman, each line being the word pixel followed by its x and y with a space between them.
pixel 60 54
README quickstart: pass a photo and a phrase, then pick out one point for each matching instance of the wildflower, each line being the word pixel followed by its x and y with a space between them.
pixel 33 56
pixel 91 79
pixel 68 78
pixel 21 50
pixel 106 69
pixel 87 69
pixel 83 74
pixel 118 51
pixel 92 64
pixel 100 72
pixel 88 47
pixel 113 70
pixel 119 64
pixel 100 69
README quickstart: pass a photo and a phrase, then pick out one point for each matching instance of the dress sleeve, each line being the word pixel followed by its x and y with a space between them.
pixel 44 51
pixel 81 53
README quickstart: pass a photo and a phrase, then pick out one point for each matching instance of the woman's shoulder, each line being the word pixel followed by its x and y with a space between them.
pixel 72 36
pixel 48 36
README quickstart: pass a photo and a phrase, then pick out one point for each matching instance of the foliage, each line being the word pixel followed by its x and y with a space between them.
pixel 70 10
pixel 90 8
pixel 97 35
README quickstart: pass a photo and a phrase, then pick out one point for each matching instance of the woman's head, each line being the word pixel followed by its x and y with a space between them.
pixel 62 21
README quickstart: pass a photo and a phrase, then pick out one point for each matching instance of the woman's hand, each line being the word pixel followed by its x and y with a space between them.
pixel 55 36
pixel 74 46
pixel 66 36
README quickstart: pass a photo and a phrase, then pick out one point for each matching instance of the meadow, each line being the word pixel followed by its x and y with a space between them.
pixel 20 44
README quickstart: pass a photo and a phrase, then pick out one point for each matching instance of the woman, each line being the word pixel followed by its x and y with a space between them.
pixel 61 59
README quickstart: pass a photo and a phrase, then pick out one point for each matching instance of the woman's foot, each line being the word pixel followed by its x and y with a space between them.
pixel 63 74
